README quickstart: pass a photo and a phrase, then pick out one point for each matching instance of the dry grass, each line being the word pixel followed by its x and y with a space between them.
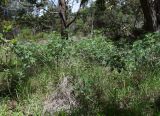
pixel 62 99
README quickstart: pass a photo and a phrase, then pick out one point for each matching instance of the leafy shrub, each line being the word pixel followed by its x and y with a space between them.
pixel 99 50
pixel 130 57
pixel 144 52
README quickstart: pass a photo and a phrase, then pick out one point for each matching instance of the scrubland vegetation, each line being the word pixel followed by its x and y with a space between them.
pixel 108 78
pixel 104 62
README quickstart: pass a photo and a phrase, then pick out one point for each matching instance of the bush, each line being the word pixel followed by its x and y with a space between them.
pixel 99 50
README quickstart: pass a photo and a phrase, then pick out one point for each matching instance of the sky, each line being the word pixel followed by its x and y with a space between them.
pixel 74 3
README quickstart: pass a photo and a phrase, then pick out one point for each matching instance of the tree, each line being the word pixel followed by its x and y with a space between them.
pixel 63 6
pixel 99 13
pixel 151 11
pixel 63 9
pixel 3 4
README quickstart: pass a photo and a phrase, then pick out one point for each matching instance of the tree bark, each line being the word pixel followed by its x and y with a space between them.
pixel 63 13
pixel 99 13
pixel 63 16
pixel 151 11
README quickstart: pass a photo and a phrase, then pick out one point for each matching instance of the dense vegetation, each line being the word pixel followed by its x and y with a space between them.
pixel 106 61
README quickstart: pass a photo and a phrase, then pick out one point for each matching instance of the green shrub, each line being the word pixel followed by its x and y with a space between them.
pixel 99 50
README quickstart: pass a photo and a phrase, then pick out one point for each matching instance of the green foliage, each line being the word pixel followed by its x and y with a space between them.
pixel 28 34
pixel 109 77
pixel 3 2
pixel 7 26
pixel 145 51
pixel 119 18
pixel 99 50
pixel 98 90
pixel 96 50
pixel 129 57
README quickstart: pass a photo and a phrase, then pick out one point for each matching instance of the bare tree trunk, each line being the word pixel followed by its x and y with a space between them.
pixel 63 15
pixel 151 11
pixel 92 27
pixel 99 13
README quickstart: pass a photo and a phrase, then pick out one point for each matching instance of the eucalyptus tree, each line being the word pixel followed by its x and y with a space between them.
pixel 63 6
pixel 63 9
pixel 99 13
pixel 151 11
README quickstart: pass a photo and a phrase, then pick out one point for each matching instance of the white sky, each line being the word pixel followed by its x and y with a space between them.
pixel 74 3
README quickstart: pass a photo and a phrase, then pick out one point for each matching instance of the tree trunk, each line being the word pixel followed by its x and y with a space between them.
pixel 63 16
pixel 63 13
pixel 99 13
pixel 151 11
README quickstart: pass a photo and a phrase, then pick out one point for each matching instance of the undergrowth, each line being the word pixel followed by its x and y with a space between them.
pixel 108 79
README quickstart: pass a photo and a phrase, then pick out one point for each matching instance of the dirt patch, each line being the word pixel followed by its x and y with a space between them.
pixel 62 98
